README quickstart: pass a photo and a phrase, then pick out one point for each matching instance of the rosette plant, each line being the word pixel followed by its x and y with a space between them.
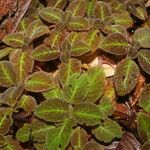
pixel 53 98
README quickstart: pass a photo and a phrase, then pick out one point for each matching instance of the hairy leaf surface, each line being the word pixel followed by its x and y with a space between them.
pixel 57 3
pixel 79 138
pixel 109 29
pixel 117 7
pixel 80 48
pixel 3 141
pixel 90 8
pixel 36 29
pixel 45 53
pixel 88 114
pixel 107 131
pixel 126 76
pixel 14 40
pixel 143 126
pixel 106 107
pixel 7 74
pixel 69 68
pixel 139 11
pixel 12 144
pixel 51 15
pixel 77 7
pixel 93 39
pixel 54 40
pixel 11 95
pixel 39 81
pixel 55 93
pixel 123 19
pixel 40 146
pixel 22 64
pixel 115 43
pixel 27 103
pixel 144 100
pixel 5 121
pixel 76 89
pixel 60 136
pixel 54 110
pixel 36 130
pixel 102 11
pixel 23 25
pixel 78 24
pixel 4 52
pixel 144 59
pixel 142 35
pixel 96 77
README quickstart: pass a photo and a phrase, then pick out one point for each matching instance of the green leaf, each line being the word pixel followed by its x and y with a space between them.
pixel 27 103
pixel 143 126
pixel 39 81
pixel 96 77
pixel 88 114
pixel 5 121
pixel 107 131
pixel 23 25
pixel 66 51
pixel 117 7
pixel 144 59
pixel 80 48
pixel 115 43
pixel 144 100
pixel 45 53
pixel 109 29
pixel 22 64
pixel 36 130
pixel 92 145
pixel 11 95
pixel 14 40
pixel 123 19
pixel 106 103
pixel 7 74
pixel 67 15
pixel 74 37
pixel 40 146
pixel 139 11
pixel 102 11
pixel 36 29
pixel 142 35
pixel 3 141
pixel 106 107
pixel 51 15
pixel 90 7
pixel 93 39
pixel 69 68
pixel 75 90
pixel 55 93
pixel 57 3
pixel 59 137
pixel 12 144
pixel 78 24
pixel 79 138
pixel 4 52
pixel 126 76
pixel 54 40
pixel 77 7
pixel 133 51
pixel 53 110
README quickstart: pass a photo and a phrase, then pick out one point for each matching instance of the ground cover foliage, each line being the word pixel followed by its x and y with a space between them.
pixel 56 90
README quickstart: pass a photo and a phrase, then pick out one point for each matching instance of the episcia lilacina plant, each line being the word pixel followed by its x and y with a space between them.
pixel 49 99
